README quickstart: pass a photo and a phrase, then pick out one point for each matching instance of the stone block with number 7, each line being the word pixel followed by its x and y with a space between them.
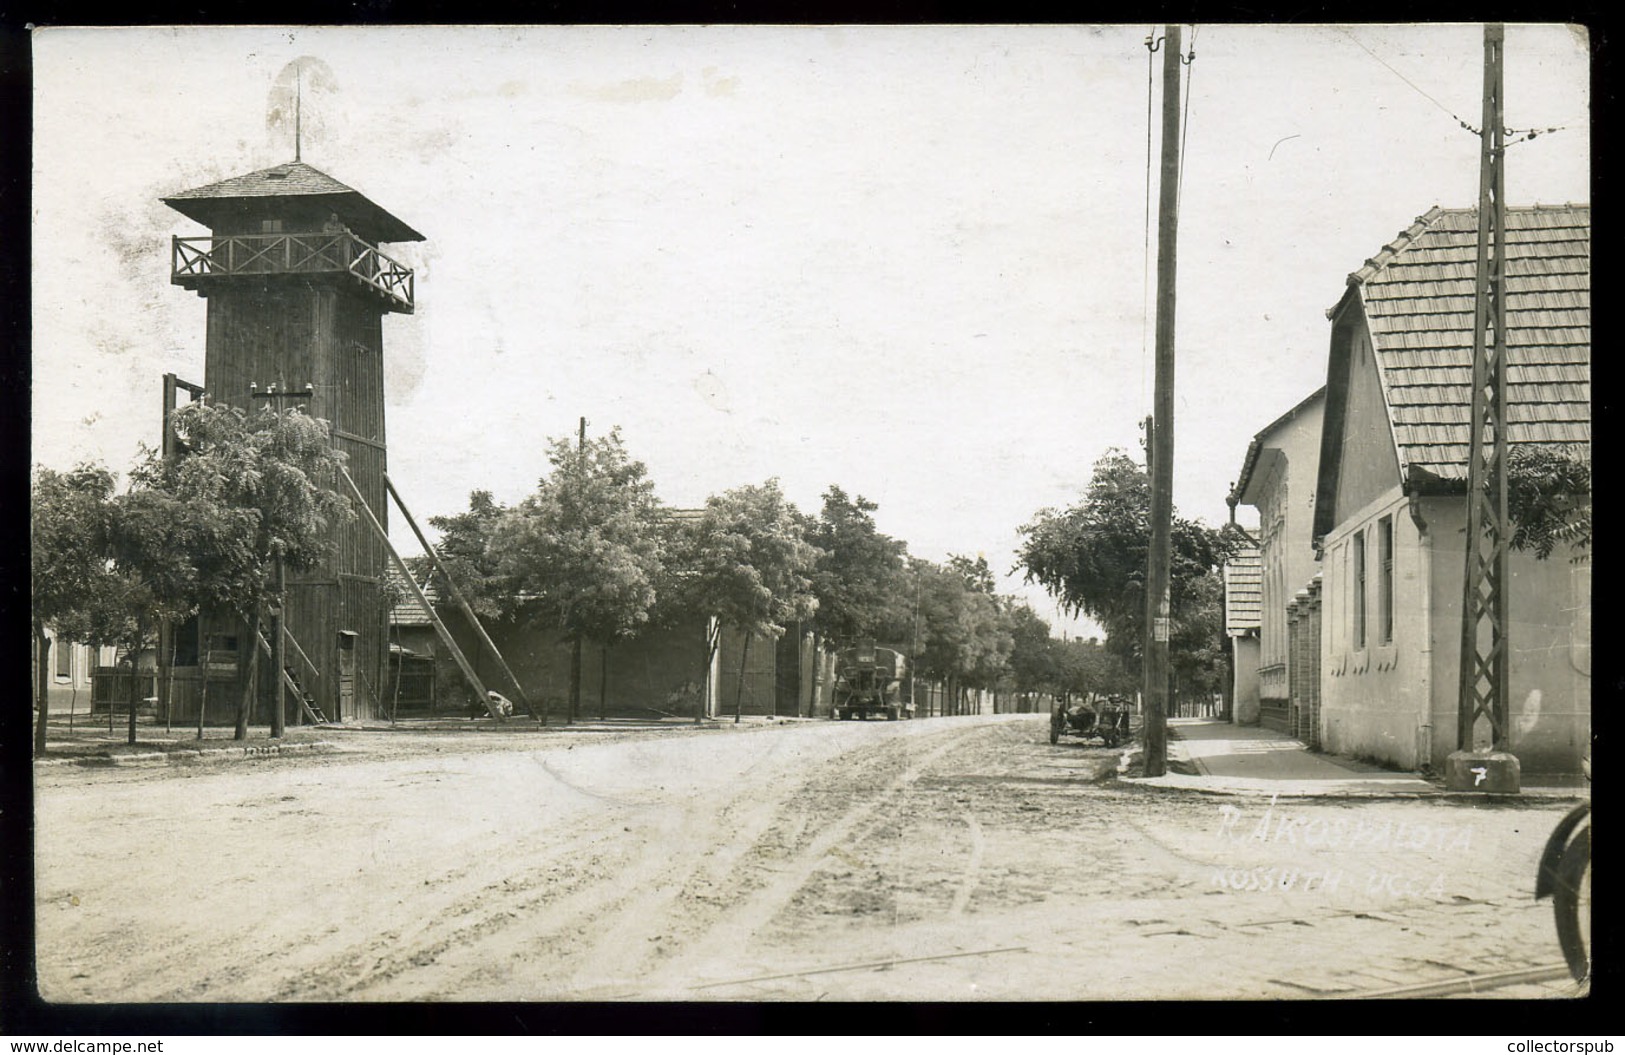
pixel 1491 772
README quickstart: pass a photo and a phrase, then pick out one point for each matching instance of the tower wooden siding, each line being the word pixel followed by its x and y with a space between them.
pixel 293 332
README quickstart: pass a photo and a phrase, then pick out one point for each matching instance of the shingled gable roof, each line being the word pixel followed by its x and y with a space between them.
pixel 1244 591
pixel 1250 461
pixel 406 611
pixel 293 180
pixel 1418 297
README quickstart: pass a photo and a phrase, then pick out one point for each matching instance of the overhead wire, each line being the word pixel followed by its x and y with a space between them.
pixel 1523 134
pixel 1404 78
pixel 1185 122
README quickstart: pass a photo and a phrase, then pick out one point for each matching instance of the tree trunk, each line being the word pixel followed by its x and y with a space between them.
pixel 279 653
pixel 817 669
pixel 250 690
pixel 739 694
pixel 603 682
pixel 574 706
pixel 42 684
pixel 161 689
pixel 168 676
pixel 203 667
pixel 135 673
pixel 711 641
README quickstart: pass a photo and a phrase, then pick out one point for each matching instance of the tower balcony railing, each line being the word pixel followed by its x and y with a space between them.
pixel 214 256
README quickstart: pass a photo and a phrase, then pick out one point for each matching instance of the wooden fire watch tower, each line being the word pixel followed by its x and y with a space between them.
pixel 297 289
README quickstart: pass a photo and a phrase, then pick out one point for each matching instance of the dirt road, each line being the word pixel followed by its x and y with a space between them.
pixel 942 859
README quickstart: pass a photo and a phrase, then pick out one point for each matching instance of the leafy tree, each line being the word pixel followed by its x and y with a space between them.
pixel 1034 660
pixel 206 525
pixel 858 579
pixel 586 548
pixel 1198 660
pixel 75 591
pixel 163 551
pixel 465 549
pixel 1088 668
pixel 977 575
pixel 1092 557
pixel 962 639
pixel 1549 498
pixel 747 562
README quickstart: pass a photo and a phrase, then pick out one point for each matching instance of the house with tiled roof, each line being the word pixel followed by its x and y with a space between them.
pixel 1243 602
pixel 1390 505
pixel 1278 478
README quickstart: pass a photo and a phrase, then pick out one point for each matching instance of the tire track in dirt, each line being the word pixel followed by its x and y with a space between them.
pixel 537 948
pixel 495 873
pixel 721 943
pixel 561 903
pixel 973 866
pixel 544 904
pixel 452 878
pixel 663 889
pixel 672 912
pixel 466 899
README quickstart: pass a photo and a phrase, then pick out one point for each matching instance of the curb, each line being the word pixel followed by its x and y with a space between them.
pixel 1298 790
pixel 189 755
pixel 1157 782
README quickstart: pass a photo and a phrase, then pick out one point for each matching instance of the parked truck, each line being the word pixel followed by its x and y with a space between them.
pixel 868 681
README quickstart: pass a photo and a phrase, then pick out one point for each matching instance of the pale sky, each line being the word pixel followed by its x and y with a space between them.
pixel 910 260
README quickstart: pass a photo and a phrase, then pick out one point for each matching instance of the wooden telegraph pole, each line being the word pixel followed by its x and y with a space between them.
pixel 1155 646
pixel 1483 682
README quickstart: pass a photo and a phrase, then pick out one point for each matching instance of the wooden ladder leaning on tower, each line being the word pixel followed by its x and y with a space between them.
pixel 307 701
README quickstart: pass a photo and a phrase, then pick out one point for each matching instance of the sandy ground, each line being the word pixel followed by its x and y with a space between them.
pixel 943 859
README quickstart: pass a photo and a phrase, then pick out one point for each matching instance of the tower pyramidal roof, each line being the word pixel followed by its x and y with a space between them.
pixel 293 180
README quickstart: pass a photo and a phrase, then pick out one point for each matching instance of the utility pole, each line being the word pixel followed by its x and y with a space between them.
pixel 1161 446
pixel 574 705
pixel 914 650
pixel 170 446
pixel 1483 683
pixel 279 614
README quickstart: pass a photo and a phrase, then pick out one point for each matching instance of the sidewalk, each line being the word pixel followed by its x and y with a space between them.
pixel 157 745
pixel 1212 755
pixel 1249 759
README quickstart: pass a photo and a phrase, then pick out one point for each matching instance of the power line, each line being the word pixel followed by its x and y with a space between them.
pixel 1185 128
pixel 1526 134
pixel 1523 134
pixel 1406 79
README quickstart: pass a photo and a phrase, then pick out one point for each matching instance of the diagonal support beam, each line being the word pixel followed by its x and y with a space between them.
pixel 406 573
pixel 462 602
